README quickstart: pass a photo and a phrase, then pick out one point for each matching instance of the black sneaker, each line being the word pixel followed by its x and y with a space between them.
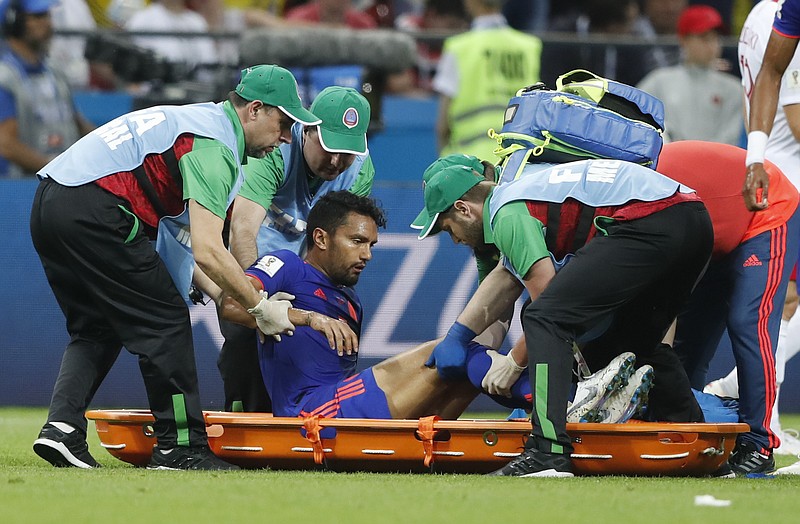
pixel 181 457
pixel 64 449
pixel 747 460
pixel 535 463
pixel 723 472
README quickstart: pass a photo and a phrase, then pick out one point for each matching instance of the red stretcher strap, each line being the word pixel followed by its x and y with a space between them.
pixel 312 427
pixel 426 433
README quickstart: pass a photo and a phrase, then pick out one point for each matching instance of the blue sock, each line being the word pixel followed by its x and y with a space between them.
pixel 478 363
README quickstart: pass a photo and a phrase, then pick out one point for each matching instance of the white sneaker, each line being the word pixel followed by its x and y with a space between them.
pixel 595 389
pixel 790 444
pixel 794 469
pixel 629 400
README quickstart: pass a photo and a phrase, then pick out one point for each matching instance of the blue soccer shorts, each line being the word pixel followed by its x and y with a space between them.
pixel 357 396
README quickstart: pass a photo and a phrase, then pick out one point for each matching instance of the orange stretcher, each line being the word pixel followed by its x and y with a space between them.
pixel 259 440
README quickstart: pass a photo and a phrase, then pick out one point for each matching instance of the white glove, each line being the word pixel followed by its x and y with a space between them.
pixel 502 374
pixel 272 314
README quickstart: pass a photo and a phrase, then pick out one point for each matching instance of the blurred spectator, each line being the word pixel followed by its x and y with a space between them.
pixel 660 18
pixel 478 72
pixel 173 16
pixel 626 63
pixel 220 17
pixel 67 51
pixel 700 103
pixel 38 119
pixel 339 13
pixel 438 16
pixel 119 12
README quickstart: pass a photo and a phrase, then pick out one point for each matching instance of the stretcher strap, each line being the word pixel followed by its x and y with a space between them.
pixel 425 432
pixel 312 427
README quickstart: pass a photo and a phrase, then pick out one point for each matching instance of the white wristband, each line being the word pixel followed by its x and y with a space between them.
pixel 756 147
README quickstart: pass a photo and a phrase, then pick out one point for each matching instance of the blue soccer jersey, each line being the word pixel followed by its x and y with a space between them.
pixel 295 366
pixel 787 18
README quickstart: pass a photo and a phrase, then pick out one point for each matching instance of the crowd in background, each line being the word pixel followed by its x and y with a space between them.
pixel 429 21
pixel 198 46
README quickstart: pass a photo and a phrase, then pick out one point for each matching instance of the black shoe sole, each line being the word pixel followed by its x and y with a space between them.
pixel 57 454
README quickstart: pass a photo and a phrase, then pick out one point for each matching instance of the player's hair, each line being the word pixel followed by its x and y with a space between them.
pixel 332 209
pixel 238 101
pixel 488 170
pixel 479 192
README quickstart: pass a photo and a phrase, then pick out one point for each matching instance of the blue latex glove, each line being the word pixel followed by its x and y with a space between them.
pixel 450 355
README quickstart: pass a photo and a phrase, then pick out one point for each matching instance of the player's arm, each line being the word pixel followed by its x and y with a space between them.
pixel 206 189
pixel 214 260
pixel 494 296
pixel 532 260
pixel 206 285
pixel 263 177
pixel 246 220
pixel 506 369
pixel 763 105
pixel 339 335
pixel 520 239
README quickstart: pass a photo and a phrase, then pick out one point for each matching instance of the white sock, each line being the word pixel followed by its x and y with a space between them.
pixel 775 426
pixel 781 351
pixel 793 336
pixel 63 426
pixel 780 369
pixel 727 386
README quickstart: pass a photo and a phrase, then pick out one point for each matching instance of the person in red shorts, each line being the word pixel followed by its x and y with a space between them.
pixel 743 288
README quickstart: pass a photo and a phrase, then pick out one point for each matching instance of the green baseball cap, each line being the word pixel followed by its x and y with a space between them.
pixel 441 192
pixel 456 159
pixel 345 118
pixel 275 86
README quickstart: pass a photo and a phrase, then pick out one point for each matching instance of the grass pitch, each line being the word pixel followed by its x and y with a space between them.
pixel 31 491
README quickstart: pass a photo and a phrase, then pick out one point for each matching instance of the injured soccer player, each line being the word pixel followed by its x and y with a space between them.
pixel 313 371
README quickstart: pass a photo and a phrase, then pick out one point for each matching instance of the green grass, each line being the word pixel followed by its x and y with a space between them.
pixel 31 492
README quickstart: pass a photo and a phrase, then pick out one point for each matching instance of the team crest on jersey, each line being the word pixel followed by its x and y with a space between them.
pixel 270 265
pixel 350 118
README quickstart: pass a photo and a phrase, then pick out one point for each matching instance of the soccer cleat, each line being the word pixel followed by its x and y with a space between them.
pixel 723 472
pixel 593 392
pixel 196 458
pixel 628 401
pixel 62 449
pixel 746 460
pixel 793 469
pixel 535 463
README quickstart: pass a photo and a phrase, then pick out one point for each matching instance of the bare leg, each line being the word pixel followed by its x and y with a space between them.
pixel 413 390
